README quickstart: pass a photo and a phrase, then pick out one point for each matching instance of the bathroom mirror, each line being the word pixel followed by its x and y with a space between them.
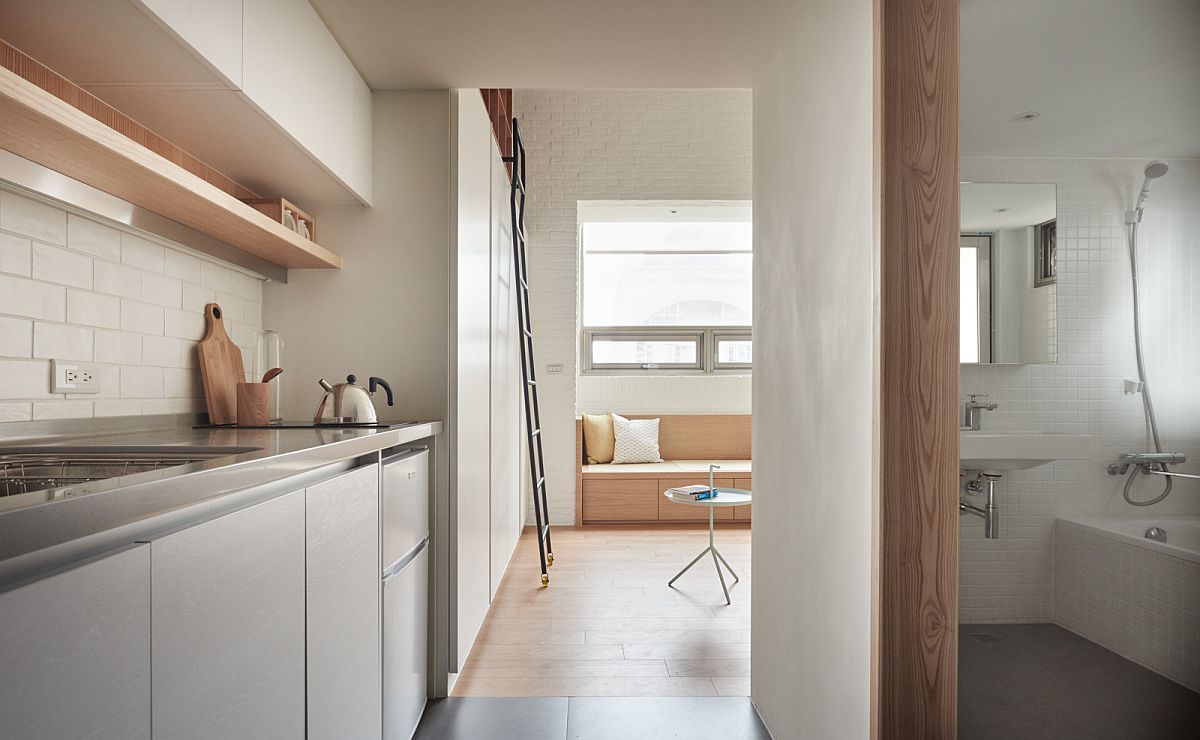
pixel 1008 273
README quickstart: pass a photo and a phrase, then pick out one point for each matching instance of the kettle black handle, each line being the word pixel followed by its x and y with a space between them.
pixel 375 382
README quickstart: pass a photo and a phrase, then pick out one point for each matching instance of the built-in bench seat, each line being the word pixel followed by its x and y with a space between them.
pixel 607 493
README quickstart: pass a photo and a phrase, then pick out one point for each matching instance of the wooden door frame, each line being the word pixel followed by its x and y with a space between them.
pixel 915 656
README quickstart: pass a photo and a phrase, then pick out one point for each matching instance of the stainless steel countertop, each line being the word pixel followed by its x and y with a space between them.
pixel 44 530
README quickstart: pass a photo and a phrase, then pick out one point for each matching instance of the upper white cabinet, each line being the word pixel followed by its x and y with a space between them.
pixel 228 627
pixel 344 672
pixel 75 651
pixel 283 60
pixel 295 72
pixel 213 28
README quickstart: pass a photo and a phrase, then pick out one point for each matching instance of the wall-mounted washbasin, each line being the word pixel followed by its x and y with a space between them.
pixel 1019 450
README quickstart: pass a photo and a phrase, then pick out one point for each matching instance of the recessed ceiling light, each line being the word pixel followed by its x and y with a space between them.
pixel 999 210
pixel 1028 115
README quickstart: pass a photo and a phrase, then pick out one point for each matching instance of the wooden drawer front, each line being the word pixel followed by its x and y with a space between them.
pixel 742 513
pixel 620 500
pixel 669 511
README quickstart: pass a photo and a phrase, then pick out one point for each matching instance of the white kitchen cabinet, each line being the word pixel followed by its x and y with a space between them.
pixel 227 626
pixel 212 28
pixel 344 663
pixel 75 652
pixel 405 628
pixel 295 72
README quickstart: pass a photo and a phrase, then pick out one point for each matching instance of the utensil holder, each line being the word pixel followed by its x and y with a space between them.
pixel 252 404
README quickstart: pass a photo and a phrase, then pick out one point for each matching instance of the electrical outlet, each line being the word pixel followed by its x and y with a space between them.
pixel 73 377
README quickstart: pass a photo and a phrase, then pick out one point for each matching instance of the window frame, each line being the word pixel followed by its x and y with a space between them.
pixel 705 337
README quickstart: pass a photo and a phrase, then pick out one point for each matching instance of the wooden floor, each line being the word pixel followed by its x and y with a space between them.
pixel 609 625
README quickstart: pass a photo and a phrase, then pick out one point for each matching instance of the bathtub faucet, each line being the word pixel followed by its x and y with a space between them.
pixel 989 512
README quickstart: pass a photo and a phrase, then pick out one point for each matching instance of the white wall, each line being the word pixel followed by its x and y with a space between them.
pixel 814 238
pixel 617 145
pixel 77 287
pixel 386 312
pixel 1011 579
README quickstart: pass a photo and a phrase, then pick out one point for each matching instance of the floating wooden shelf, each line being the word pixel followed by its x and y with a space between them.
pixel 277 209
pixel 41 127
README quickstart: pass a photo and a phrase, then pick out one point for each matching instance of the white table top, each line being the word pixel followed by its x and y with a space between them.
pixel 724 497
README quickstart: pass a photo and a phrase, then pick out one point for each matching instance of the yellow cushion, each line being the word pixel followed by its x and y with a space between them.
pixel 598 438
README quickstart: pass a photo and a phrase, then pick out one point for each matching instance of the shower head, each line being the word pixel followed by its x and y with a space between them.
pixel 1153 171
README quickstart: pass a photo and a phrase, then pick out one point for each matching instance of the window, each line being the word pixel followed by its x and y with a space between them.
pixel 665 287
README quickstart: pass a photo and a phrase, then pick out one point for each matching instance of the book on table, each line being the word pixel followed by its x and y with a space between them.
pixel 695 493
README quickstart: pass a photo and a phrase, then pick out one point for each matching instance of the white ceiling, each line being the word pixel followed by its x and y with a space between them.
pixel 1111 78
pixel 1019 204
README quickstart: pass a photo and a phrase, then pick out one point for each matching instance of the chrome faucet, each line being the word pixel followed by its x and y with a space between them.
pixel 971 409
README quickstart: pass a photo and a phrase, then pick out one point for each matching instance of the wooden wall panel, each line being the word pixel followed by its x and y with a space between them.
pixel 918 463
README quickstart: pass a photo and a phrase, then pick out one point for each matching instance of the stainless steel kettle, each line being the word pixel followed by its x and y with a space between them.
pixel 350 403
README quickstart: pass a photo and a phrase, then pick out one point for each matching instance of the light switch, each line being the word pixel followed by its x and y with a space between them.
pixel 554 368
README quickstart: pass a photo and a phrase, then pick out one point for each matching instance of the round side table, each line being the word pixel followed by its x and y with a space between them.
pixel 724 497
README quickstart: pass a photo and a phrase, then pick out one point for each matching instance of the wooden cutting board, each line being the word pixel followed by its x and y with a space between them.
pixel 221 368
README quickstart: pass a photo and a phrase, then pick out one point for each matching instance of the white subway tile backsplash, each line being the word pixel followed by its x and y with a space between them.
pixel 182 266
pixel 62 410
pixel 62 342
pixel 85 235
pixel 142 253
pixel 57 265
pixel 25 379
pixel 118 347
pixel 141 317
pixel 141 382
pixel 163 291
pixel 185 324
pixel 32 218
pixel 93 309
pixel 117 280
pixel 15 412
pixel 36 300
pixel 16 337
pixel 16 254
pixel 231 306
pixel 77 288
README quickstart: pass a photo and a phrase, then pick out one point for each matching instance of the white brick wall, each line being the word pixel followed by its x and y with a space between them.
pixel 616 145
pixel 1011 579
pixel 76 288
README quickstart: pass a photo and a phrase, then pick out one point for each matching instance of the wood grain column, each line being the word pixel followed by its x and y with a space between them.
pixel 918 463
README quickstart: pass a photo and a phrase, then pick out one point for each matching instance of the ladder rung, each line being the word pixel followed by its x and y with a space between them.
pixel 541 483
pixel 535 432
pixel 527 333
pixel 545 531
pixel 524 284
pixel 530 382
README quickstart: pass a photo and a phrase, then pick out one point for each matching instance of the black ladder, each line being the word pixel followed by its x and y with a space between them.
pixel 533 416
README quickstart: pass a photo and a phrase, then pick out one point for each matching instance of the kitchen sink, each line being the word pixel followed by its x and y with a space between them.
pixel 25 469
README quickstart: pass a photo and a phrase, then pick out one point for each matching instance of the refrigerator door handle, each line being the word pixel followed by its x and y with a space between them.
pixel 398 567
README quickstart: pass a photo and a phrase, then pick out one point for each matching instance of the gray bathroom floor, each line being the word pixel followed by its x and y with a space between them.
pixel 592 718
pixel 1033 681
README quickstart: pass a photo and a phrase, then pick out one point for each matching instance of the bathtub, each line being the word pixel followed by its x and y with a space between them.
pixel 1137 597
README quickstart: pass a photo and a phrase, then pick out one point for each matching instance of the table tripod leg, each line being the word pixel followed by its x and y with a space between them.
pixel 720 574
pixel 687 567
pixel 731 572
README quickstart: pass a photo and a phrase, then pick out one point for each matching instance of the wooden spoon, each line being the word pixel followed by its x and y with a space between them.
pixel 270 375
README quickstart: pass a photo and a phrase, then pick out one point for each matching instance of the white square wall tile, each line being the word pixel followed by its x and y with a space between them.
pixel 93 309
pixel 142 253
pixel 85 235
pixel 195 298
pixel 182 383
pixel 165 352
pixel 215 276
pixel 22 297
pixel 16 254
pixel 141 382
pixel 32 218
pixel 184 324
pixel 118 407
pixel 118 347
pixel 62 342
pixel 16 337
pixel 141 317
pixel 15 412
pixel 182 266
pixel 246 286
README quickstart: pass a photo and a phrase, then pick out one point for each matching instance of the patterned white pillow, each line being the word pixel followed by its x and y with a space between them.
pixel 636 440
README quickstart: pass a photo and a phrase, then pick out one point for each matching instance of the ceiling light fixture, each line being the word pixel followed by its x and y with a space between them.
pixel 999 210
pixel 1028 115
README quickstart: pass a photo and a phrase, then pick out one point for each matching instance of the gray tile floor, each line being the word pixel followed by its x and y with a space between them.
pixel 592 718
pixel 1032 681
